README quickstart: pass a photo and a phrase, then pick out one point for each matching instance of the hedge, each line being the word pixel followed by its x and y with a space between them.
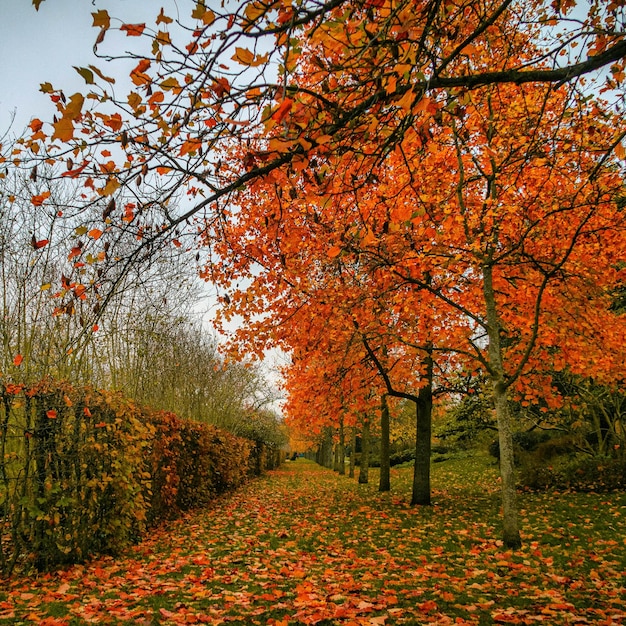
pixel 85 471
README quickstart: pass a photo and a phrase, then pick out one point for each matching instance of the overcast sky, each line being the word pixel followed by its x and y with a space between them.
pixel 42 46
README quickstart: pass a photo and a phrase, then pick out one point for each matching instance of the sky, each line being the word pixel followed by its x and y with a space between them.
pixel 42 46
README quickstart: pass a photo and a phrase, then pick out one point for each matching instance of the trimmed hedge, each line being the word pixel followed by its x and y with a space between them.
pixel 84 471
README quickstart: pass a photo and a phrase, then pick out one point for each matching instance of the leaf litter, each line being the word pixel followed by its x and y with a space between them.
pixel 304 546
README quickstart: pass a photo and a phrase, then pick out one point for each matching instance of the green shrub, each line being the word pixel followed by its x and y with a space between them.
pixel 397 458
pixel 576 473
pixel 523 441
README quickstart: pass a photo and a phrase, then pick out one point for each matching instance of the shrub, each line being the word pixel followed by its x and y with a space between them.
pixel 402 457
pixel 523 441
pixel 577 473
pixel 74 475
pixel 86 471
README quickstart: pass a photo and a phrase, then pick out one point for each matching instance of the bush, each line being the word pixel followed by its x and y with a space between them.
pixel 523 441
pixel 74 473
pixel 578 473
pixel 86 471
pixel 404 456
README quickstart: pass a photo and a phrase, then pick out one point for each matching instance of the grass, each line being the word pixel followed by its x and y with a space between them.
pixel 305 546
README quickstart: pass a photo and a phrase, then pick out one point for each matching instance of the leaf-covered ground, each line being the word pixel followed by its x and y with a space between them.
pixel 305 546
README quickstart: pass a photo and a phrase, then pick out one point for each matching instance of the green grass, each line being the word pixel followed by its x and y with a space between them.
pixel 305 546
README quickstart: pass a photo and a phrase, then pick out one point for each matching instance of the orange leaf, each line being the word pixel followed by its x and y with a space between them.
pixel 63 129
pixel 51 414
pixel 133 30
pixel 335 251
pixel 243 56
pixel 35 125
pixel 74 107
pixel 282 110
pixel 114 121
pixel 17 360
pixel 40 199
pixel 95 233
pixel 74 252
pixel 42 243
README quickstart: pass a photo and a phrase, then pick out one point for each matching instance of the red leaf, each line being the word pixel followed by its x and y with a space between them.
pixel 39 244
pixel 17 360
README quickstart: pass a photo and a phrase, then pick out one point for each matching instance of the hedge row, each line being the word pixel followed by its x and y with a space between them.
pixel 84 471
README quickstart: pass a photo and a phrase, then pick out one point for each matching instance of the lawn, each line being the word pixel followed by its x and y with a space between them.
pixel 304 546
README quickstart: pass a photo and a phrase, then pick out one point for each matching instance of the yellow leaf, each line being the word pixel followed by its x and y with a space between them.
pixel 163 37
pixel 208 18
pixel 111 187
pixel 95 70
pixel 204 14
pixel 134 99
pixel 255 10
pixel 163 19
pixel 243 56
pixel 86 73
pixel 46 287
pixel 170 83
pixel 81 230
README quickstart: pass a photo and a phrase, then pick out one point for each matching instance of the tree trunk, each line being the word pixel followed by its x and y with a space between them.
pixel 352 452
pixel 325 451
pixel 365 452
pixel 511 533
pixel 342 449
pixel 423 433
pixel 385 481
pixel 328 451
pixel 336 457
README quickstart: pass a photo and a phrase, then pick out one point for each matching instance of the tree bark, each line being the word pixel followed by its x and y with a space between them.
pixel 385 479
pixel 365 452
pixel 511 532
pixel 352 452
pixel 423 434
pixel 342 449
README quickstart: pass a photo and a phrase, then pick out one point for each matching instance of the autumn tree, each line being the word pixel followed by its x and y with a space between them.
pixel 335 76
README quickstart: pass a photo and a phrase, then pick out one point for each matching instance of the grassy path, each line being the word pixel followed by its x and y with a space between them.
pixel 304 546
